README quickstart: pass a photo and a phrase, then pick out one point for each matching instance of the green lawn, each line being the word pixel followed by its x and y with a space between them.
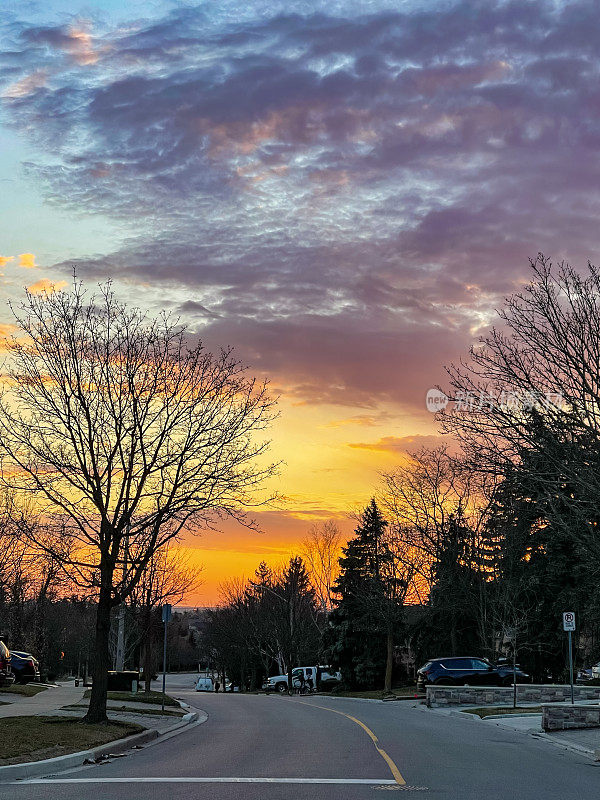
pixel 36 738
pixel 141 697
pixel 25 691
pixel 151 711
pixel 487 711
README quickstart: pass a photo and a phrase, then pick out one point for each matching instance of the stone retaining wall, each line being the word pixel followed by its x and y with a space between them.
pixel 503 695
pixel 564 716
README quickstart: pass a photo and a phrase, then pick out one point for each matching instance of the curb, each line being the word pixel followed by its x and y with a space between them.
pixel 573 748
pixel 48 766
pixel 355 699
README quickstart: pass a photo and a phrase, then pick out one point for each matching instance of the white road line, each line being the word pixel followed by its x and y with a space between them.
pixel 351 781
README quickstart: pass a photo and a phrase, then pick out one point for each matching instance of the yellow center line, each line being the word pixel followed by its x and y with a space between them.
pixel 389 761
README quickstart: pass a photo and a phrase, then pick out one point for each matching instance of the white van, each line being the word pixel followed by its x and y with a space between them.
pixel 205 685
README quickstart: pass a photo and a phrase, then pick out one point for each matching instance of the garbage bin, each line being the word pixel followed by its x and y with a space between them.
pixel 122 681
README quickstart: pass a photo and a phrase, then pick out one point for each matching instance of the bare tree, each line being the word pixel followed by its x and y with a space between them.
pixel 168 577
pixel 532 385
pixel 30 576
pixel 429 500
pixel 117 426
pixel 321 550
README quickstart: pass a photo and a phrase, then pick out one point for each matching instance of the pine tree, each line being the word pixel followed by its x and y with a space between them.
pixel 543 567
pixel 357 640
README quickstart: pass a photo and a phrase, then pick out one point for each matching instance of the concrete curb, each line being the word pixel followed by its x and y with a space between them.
pixel 354 699
pixel 508 716
pixel 49 766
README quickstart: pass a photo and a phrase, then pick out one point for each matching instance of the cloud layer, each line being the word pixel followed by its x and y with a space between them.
pixel 344 196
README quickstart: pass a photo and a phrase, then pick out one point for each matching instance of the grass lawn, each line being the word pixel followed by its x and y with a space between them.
pixel 489 710
pixel 155 698
pixel 35 738
pixel 28 690
pixel 151 711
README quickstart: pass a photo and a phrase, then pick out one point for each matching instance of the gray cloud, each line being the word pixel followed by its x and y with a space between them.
pixel 344 196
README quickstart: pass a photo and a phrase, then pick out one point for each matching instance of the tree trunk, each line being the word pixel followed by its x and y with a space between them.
pixel 97 709
pixel 389 663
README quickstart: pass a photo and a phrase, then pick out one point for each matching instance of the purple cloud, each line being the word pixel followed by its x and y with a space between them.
pixel 344 196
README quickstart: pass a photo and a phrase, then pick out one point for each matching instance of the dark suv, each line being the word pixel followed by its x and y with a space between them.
pixel 6 676
pixel 25 667
pixel 467 671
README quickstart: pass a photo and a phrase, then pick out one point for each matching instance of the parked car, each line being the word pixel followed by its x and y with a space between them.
pixel 584 674
pixel 320 677
pixel 205 685
pixel 7 677
pixel 25 667
pixel 467 671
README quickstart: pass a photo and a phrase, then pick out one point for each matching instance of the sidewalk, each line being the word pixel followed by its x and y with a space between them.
pixel 43 703
pixel 583 740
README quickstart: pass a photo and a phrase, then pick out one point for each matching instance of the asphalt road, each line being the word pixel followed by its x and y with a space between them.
pixel 322 739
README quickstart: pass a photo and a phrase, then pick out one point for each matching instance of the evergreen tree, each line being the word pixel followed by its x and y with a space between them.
pixel 449 625
pixel 357 638
pixel 543 567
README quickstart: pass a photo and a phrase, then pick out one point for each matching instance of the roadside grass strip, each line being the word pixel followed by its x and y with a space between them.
pixel 35 738
pixel 154 698
pixel 153 712
pixel 499 711
pixel 25 690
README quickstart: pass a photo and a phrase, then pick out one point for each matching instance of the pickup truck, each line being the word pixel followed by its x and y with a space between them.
pixel 327 678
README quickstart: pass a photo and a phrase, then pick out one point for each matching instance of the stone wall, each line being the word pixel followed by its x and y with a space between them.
pixel 503 695
pixel 564 716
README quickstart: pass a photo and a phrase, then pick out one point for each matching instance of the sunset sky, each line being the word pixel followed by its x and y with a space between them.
pixel 344 191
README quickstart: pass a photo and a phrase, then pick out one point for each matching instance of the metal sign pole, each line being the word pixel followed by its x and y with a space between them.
pixel 569 627
pixel 571 665
pixel 164 666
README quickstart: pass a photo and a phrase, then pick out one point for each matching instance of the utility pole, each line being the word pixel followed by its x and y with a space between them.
pixel 120 655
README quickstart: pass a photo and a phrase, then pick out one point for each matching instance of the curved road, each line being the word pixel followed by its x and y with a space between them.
pixel 328 749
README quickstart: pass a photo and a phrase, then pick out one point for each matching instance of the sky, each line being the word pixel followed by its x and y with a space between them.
pixel 344 191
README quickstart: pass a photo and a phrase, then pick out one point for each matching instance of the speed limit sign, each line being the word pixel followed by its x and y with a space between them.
pixel 568 620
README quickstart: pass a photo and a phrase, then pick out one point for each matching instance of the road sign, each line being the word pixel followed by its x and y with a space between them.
pixel 568 621
pixel 166 613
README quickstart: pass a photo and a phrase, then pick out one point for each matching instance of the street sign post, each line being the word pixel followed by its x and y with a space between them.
pixel 569 627
pixel 166 616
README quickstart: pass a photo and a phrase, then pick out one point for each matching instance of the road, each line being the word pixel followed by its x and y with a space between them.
pixel 323 739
